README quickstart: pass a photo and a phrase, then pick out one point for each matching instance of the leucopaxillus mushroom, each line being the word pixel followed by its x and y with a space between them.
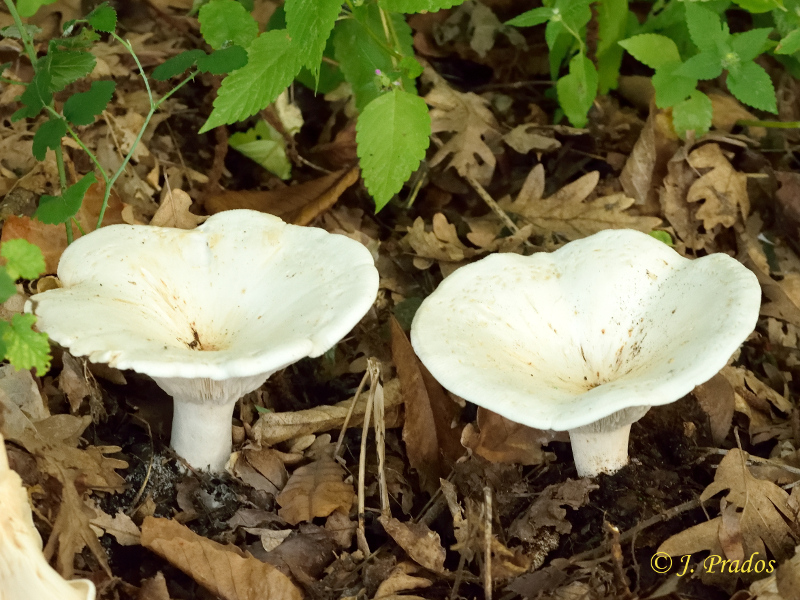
pixel 208 313
pixel 587 338
pixel 24 573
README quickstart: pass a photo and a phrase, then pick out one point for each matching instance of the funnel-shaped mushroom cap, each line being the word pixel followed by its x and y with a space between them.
pixel 24 573
pixel 607 323
pixel 241 296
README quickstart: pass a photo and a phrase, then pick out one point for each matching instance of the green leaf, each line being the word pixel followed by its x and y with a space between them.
pixel 36 95
pixel 224 22
pixel 177 64
pixel 272 64
pixel 84 39
pixel 81 109
pixel 310 23
pixel 705 65
pixel 612 18
pixel 28 8
pixel 12 31
pixel 752 85
pixel 23 259
pixel 652 49
pixel 103 18
pixel 662 236
pixel 417 6
pixel 67 66
pixel 671 88
pixel 54 210
pixel 789 44
pixel 25 348
pixel 533 17
pixel 7 286
pixel 360 55
pixel 577 90
pixel 411 67
pixel 751 43
pixel 392 134
pixel 705 27
pixel 759 6
pixel 47 136
pixel 223 61
pixel 692 114
pixel 264 145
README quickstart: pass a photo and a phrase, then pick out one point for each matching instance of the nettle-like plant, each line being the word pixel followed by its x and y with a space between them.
pixel 370 43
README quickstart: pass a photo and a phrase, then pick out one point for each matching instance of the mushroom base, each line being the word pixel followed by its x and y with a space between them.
pixel 598 452
pixel 201 433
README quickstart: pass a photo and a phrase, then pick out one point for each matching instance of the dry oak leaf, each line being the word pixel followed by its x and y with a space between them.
pixel 315 490
pixel 420 543
pixel 498 439
pixel 783 584
pixel 401 579
pixel 679 214
pixel 440 244
pixel 722 189
pixel 754 391
pixel 763 515
pixel 225 571
pixel 272 428
pixel 570 212
pixel 174 212
pixel 474 129
pixel 717 398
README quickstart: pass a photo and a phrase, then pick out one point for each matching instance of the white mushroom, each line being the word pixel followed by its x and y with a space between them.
pixel 208 313
pixel 587 338
pixel 24 573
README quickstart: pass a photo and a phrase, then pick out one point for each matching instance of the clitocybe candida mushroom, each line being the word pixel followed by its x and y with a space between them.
pixel 24 573
pixel 587 338
pixel 209 313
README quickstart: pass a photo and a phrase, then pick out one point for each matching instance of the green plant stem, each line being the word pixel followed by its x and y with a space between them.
pixel 12 82
pixel 78 225
pixel 770 124
pixel 27 41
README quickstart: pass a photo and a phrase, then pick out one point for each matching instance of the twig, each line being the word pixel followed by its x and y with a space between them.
pixel 487 541
pixel 490 202
pixel 755 459
pixel 349 416
pixel 616 558
pixel 372 369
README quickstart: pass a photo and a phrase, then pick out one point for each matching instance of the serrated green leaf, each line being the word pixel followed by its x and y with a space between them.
pixel 671 88
pixel 23 259
pixel 577 90
pixel 752 85
pixel 7 286
pixel 81 109
pixel 693 114
pixel 613 18
pixel 531 18
pixel 264 145
pixel 392 133
pixel 411 67
pixel 25 348
pixel 84 39
pixel 310 22
pixel 47 136
pixel 36 95
pixel 272 64
pixel 28 8
pixel 177 64
pixel 705 27
pixel 224 22
pixel 759 6
pixel 652 49
pixel 750 44
pixel 360 55
pixel 67 66
pixel 705 65
pixel 54 210
pixel 789 44
pixel 417 6
pixel 223 61
pixel 103 18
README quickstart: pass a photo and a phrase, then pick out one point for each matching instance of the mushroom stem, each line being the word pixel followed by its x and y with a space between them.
pixel 201 433
pixel 598 452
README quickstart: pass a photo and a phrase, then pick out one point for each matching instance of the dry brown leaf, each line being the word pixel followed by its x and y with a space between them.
pixel 782 584
pixel 499 440
pixel 174 212
pixel 440 244
pixel 432 441
pixel 315 490
pixel 121 526
pixel 226 571
pixel 762 512
pixel 722 189
pixel 547 510
pixel 401 579
pixel 672 196
pixel 531 136
pixel 727 110
pixel 472 125
pixel 420 543
pixel 717 399
pixel 570 212
pixel 154 588
pixel 754 391
pixel 299 204
pixel 272 428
